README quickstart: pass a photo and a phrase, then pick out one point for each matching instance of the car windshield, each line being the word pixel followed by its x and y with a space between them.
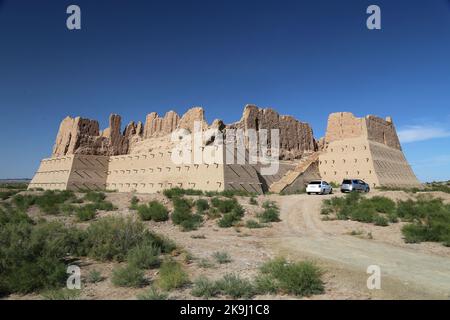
pixel 347 182
pixel 314 182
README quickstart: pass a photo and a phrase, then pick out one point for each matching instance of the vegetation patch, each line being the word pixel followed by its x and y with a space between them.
pixel 128 276
pixel 172 276
pixel 154 210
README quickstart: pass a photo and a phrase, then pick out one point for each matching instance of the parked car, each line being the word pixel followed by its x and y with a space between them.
pixel 319 187
pixel 349 185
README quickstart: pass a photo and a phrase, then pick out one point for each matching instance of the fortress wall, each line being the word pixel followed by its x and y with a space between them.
pixel 155 171
pixel 348 158
pixel 52 174
pixel 344 125
pixel 88 172
pixel 382 131
pixel 242 177
pixel 391 166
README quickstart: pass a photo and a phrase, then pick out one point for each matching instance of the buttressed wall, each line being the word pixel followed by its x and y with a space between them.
pixel 139 157
pixel 364 148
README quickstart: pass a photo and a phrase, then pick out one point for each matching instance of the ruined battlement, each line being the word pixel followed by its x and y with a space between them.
pixel 344 125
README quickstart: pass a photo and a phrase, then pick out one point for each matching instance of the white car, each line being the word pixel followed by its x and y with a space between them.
pixel 319 187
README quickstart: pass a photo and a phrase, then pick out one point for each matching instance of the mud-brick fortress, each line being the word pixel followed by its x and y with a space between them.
pixel 139 158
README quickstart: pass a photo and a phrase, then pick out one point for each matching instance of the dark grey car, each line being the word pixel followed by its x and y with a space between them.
pixel 349 185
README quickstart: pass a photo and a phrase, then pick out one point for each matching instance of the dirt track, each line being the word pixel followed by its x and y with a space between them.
pixel 406 273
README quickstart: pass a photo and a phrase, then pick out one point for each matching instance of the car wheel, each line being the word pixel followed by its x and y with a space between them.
pixel 331 191
pixel 367 189
pixel 309 193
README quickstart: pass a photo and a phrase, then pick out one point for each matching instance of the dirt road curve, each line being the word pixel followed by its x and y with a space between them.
pixel 305 234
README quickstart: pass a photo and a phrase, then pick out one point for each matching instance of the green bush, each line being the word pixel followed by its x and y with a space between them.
pixel 253 201
pixel 153 211
pixel 134 203
pixel 86 212
pixel 172 275
pixel 178 192
pixel 202 205
pixel 253 224
pixel 222 257
pixel 203 287
pixel 128 276
pixel 153 294
pixel 144 256
pixel 300 278
pixel 61 294
pixel 224 206
pixel 94 196
pixel 183 216
pixel 94 276
pixel 269 215
pixel 382 204
pixel 111 238
pixel 380 221
pixel 236 287
pixel 265 284
pixel 33 256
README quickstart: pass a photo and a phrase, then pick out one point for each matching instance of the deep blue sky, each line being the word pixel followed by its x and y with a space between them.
pixel 304 58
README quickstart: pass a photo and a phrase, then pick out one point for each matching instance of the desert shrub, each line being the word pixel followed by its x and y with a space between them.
pixel 222 257
pixel 205 263
pixel 430 220
pixel 213 213
pixel 178 192
pixel 203 287
pixel 224 206
pixel 172 275
pixel 183 216
pixel 253 201
pixel 111 238
pixel 61 294
pixel 144 256
pixel 134 203
pixel 33 256
pixel 232 193
pixel 269 215
pixel 94 196
pixel 253 224
pixel 382 204
pixel 67 208
pixel 153 294
pixel 380 221
pixel 269 205
pixel 128 276
pixel 23 202
pixel 229 219
pixel 155 211
pixel 7 194
pixel 201 205
pixel 265 284
pixel 86 212
pixel 236 287
pixel 300 278
pixel 94 276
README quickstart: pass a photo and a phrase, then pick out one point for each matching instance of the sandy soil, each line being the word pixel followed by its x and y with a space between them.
pixel 409 271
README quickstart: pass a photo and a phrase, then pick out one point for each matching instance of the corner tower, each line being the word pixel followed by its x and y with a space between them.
pixel 365 148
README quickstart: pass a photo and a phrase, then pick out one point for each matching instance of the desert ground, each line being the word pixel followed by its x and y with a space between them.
pixel 408 271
